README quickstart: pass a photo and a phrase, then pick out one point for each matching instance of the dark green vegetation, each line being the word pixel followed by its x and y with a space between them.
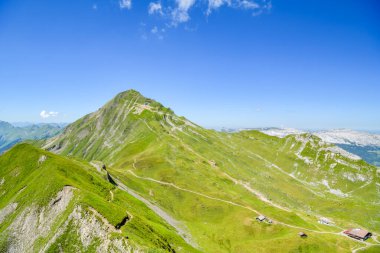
pixel 217 183
pixel 10 135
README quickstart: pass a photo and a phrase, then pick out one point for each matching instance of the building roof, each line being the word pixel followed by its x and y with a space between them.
pixel 261 217
pixel 357 232
pixel 323 219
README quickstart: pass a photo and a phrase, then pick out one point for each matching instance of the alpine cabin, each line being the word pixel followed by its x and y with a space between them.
pixel 358 233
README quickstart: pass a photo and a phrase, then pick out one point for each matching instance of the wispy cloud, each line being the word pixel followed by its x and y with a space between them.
pixel 172 13
pixel 215 4
pixel 178 11
pixel 45 114
pixel 155 8
pixel 245 4
pixel 125 4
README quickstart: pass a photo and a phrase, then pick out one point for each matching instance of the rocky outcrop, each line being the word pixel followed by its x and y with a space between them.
pixel 93 230
pixel 9 209
pixel 34 222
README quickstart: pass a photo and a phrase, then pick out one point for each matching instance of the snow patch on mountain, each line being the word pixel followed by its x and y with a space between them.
pixel 349 137
pixel 281 132
pixel 336 136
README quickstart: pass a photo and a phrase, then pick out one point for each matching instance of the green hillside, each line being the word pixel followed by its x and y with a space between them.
pixel 215 184
pixel 50 203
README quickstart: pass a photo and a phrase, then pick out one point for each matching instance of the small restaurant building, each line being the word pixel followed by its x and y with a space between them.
pixel 358 233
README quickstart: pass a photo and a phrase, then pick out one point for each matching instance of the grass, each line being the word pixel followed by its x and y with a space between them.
pixel 152 147
pixel 20 169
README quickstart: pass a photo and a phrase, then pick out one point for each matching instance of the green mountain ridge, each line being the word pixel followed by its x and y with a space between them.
pixel 214 184
pixel 49 203
pixel 10 135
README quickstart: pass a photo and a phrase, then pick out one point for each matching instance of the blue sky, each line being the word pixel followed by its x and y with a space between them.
pixel 238 63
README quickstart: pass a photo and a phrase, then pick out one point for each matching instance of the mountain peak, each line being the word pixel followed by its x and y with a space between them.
pixel 109 127
pixel 133 101
pixel 4 125
pixel 128 93
pixel 126 97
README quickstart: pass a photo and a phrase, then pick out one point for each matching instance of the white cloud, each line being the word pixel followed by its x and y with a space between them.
pixel 125 4
pixel 239 4
pixel 155 8
pixel 44 114
pixel 175 12
pixel 245 4
pixel 180 14
pixel 215 4
pixel 185 4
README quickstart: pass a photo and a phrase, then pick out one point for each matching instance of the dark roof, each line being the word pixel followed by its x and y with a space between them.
pixel 261 217
pixel 358 232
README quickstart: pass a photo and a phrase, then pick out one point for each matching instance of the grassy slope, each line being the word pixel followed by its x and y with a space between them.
pixel 40 183
pixel 157 144
pixel 350 208
pixel 219 226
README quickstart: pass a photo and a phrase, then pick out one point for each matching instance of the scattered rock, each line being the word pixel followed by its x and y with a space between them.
pixel 9 209
pixel 42 159
pixel 213 163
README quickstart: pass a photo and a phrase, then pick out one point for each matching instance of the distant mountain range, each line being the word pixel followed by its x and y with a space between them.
pixel 26 124
pixel 11 134
pixel 364 144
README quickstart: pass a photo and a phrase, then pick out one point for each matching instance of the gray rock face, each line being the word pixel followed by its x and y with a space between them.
pixel 33 223
pixel 9 209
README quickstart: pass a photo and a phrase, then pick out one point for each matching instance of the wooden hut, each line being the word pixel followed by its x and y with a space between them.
pixel 260 218
pixel 302 234
pixel 358 233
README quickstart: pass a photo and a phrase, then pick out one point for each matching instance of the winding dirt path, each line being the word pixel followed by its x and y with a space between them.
pixel 258 194
pixel 270 164
pixel 193 192
pixel 180 227
pixel 255 211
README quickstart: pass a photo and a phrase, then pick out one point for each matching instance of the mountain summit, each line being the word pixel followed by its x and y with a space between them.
pixel 108 130
pixel 210 186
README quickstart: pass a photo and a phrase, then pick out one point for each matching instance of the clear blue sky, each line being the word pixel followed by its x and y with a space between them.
pixel 290 63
